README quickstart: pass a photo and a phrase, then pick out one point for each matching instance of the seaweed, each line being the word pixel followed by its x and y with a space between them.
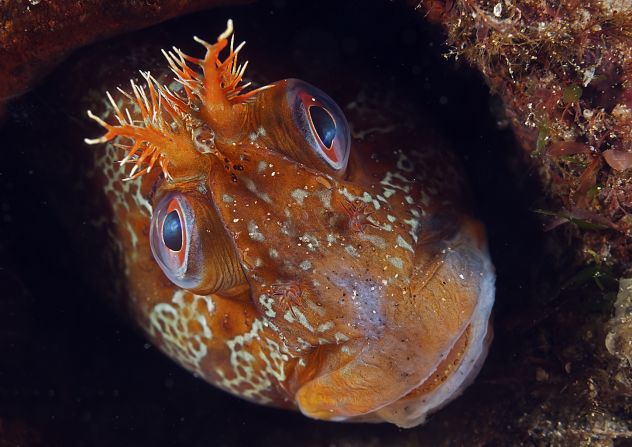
pixel 563 71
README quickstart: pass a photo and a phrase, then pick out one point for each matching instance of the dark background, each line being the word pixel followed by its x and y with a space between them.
pixel 73 372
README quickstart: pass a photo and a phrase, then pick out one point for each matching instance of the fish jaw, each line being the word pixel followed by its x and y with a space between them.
pixel 448 321
pixel 466 362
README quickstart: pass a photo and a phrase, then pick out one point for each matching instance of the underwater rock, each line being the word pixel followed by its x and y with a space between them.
pixel 619 339
pixel 563 73
pixel 35 35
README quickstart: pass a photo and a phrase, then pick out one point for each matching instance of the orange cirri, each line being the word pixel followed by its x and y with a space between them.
pixel 285 260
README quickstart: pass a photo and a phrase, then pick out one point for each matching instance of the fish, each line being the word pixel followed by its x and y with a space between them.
pixel 285 254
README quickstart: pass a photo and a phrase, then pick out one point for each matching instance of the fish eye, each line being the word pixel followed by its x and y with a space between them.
pixel 172 231
pixel 173 237
pixel 321 123
pixel 303 123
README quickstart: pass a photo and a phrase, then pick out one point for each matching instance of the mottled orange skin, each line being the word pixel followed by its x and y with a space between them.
pixel 363 293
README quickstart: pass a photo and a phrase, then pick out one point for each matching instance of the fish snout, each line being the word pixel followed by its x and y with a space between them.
pixel 434 338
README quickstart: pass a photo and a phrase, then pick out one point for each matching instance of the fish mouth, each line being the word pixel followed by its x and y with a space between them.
pixel 454 373
pixel 432 347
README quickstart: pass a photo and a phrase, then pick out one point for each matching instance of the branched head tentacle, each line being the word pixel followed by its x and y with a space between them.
pixel 161 134
pixel 164 128
pixel 218 89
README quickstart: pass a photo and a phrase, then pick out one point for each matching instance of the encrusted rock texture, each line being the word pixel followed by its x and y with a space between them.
pixel 563 70
pixel 36 34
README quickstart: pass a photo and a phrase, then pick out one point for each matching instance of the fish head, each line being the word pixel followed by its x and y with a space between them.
pixel 358 256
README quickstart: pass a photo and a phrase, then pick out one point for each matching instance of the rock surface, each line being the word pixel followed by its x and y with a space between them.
pixel 564 73
pixel 35 35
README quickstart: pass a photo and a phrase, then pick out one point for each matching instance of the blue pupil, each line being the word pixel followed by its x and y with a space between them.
pixel 172 231
pixel 324 125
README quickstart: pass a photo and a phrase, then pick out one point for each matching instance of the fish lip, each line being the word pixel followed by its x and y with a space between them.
pixel 475 353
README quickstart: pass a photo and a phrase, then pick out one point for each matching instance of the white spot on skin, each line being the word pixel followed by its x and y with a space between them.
pixel 352 251
pixel 375 223
pixel 261 166
pixel 340 337
pixel 227 198
pixel 414 228
pixel 254 233
pixel 388 192
pixel 325 198
pixel 132 235
pixel 325 326
pixel 266 302
pixel 388 182
pixel 305 265
pixel 311 241
pixel 318 310
pixel 377 241
pixel 252 187
pixel 401 242
pixel 304 344
pixel 299 195
pixel 254 136
pixel 273 253
pixel 303 320
pixel 366 198
pixel 286 228
pixel 396 262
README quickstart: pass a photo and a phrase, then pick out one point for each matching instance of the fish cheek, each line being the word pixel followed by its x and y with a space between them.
pixel 217 263
pixel 191 244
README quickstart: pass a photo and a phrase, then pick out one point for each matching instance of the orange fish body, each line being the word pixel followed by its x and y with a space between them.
pixel 282 260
